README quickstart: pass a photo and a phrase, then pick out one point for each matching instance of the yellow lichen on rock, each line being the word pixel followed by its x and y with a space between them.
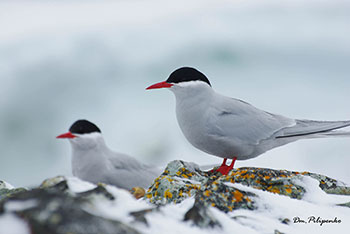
pixel 238 195
pixel 168 194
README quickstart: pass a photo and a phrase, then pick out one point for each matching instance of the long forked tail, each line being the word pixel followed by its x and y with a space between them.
pixel 315 129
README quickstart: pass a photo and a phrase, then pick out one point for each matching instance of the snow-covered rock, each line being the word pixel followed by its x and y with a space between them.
pixel 184 199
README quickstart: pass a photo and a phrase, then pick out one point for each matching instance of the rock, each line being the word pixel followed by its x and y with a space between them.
pixel 217 193
pixel 54 209
pixel 140 216
pixel 69 205
pixel 345 204
pixel 200 215
pixel 52 182
pixel 100 190
pixel 7 190
pixel 5 185
pixel 329 185
pixel 181 180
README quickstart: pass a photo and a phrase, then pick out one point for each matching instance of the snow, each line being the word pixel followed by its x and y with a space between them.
pixel 9 186
pixel 11 224
pixel 77 185
pixel 4 184
pixel 272 209
pixel 20 205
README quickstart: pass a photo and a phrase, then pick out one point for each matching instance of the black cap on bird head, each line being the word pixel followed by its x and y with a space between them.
pixel 83 126
pixel 184 74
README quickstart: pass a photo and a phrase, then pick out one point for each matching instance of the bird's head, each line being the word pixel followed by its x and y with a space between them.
pixel 83 135
pixel 184 78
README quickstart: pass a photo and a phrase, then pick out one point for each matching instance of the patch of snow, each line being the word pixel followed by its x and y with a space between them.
pixel 120 207
pixel 314 194
pixel 20 205
pixel 274 207
pixel 77 185
pixel 11 224
pixel 8 186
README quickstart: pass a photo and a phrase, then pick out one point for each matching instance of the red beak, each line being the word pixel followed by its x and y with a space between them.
pixel 66 135
pixel 160 85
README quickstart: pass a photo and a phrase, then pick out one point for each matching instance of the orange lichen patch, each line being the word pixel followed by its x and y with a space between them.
pixel 305 173
pixel 243 171
pixel 269 188
pixel 215 182
pixel 322 182
pixel 185 176
pixel 207 193
pixel 156 184
pixel 213 204
pixel 288 190
pixel 190 174
pixel 180 193
pixel 275 190
pixel 183 169
pixel 178 173
pixel 238 195
pixel 168 194
pixel 149 195
pixel 235 173
pixel 267 177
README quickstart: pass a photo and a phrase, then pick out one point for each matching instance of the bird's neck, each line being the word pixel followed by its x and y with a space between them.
pixel 192 96
pixel 191 106
pixel 88 157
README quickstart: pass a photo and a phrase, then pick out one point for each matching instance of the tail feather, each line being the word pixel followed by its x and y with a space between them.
pixel 335 134
pixel 311 128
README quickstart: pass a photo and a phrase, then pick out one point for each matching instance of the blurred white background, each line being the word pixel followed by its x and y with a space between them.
pixel 65 60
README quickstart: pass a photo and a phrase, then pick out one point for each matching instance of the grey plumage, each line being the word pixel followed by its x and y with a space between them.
pixel 228 127
pixel 93 161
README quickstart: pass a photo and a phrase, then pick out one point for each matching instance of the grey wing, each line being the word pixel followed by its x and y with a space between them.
pixel 245 123
pixel 127 172
pixel 308 128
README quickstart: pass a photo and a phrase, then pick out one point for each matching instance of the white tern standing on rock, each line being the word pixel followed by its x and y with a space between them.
pixel 93 161
pixel 231 128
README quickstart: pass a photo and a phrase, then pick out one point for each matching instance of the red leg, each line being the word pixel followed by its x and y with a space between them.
pixel 224 169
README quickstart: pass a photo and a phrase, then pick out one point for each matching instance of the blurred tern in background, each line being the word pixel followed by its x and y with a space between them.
pixel 93 161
